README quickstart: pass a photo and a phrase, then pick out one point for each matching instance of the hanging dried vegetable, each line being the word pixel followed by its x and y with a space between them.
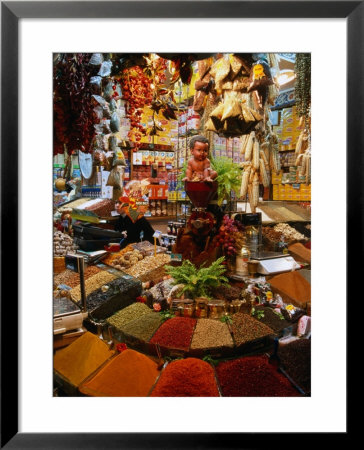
pixel 72 106
pixel 303 83
pixel 137 92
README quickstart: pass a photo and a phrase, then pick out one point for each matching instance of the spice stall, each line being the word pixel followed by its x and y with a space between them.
pixel 220 304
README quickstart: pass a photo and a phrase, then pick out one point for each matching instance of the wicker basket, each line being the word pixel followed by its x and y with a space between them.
pixel 59 264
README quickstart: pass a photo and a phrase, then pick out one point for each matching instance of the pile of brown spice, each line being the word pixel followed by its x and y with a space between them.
pixel 245 329
pixel 293 287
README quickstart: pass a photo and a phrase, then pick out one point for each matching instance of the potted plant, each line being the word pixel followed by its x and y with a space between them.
pixel 198 282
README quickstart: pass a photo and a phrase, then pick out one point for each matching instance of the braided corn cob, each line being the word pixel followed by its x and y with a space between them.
pixel 249 146
pixel 244 181
pixel 256 150
pixel 243 142
pixel 298 161
pixel 254 193
pixel 299 144
pixel 308 169
pixel 263 173
pixel 251 176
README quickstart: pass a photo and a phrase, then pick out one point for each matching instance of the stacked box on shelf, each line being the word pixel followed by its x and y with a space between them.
pixel 305 192
pixel 277 178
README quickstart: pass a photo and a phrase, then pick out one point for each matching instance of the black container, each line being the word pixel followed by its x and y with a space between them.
pixel 122 292
pixel 88 245
pixel 90 232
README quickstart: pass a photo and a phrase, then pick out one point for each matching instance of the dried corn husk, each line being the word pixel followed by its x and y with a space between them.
pixel 256 115
pixel 299 144
pixel 263 173
pixel 256 150
pixel 249 146
pixel 247 115
pixel 235 64
pixel 298 161
pixel 244 181
pixel 220 69
pixel 227 85
pixel 232 107
pixel 251 176
pixel 308 168
pixel 210 126
pixel 241 84
pixel 255 189
pixel 217 112
pixel 243 142
pixel 265 147
pixel 262 154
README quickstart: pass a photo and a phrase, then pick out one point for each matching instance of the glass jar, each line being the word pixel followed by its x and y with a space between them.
pixel 201 307
pixel 216 309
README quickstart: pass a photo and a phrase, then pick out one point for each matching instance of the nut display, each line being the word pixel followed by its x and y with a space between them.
pixel 63 244
pixel 93 283
pixel 147 264
pixel 289 232
pixel 127 260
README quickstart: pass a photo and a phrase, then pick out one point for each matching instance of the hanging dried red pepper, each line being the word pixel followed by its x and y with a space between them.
pixel 73 123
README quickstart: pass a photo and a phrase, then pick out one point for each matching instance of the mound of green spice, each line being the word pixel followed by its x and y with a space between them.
pixel 144 327
pixel 128 314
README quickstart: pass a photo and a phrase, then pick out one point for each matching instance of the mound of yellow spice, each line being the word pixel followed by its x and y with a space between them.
pixel 81 358
pixel 129 374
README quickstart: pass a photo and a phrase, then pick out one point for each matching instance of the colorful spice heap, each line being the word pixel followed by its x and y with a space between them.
pixel 144 327
pixel 81 358
pixel 190 377
pixel 126 315
pixel 270 318
pixel 293 287
pixel 130 374
pixel 175 333
pixel 245 329
pixel 253 376
pixel 295 358
pixel 211 334
pixel 72 279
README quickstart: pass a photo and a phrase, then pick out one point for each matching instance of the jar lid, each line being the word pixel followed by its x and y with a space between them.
pixel 216 303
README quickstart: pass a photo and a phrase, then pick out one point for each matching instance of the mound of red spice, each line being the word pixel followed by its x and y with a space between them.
pixel 175 333
pixel 190 377
pixel 253 376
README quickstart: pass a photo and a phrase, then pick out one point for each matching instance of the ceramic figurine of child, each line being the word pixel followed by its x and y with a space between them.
pixel 198 166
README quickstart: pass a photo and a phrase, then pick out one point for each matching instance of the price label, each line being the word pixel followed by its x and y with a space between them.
pixel 157 234
pixel 176 257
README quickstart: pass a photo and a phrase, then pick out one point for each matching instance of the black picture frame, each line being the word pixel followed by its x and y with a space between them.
pixel 11 12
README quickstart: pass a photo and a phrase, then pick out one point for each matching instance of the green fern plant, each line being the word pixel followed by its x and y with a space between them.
pixel 228 177
pixel 198 282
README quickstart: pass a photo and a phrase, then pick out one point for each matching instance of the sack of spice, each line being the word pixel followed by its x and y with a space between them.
pixel 80 359
pixel 292 287
pixel 190 377
pixel 129 374
pixel 253 376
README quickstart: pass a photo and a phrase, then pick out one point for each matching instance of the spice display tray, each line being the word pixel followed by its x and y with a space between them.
pixel 260 344
pixel 122 293
pixel 68 387
pixel 294 384
pixel 215 352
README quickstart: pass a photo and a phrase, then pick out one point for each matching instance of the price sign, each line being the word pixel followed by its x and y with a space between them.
pixel 176 257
